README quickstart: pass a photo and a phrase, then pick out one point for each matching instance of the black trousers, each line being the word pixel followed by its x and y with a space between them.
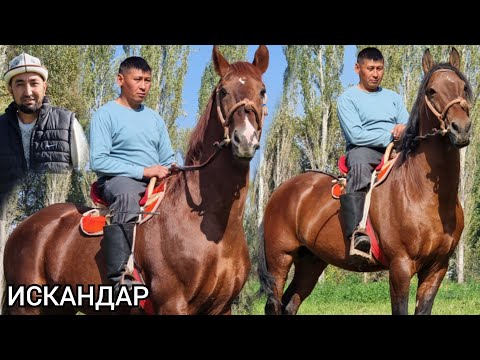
pixel 361 161
pixel 123 195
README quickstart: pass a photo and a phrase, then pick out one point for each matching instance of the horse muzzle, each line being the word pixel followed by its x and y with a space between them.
pixel 460 135
pixel 244 145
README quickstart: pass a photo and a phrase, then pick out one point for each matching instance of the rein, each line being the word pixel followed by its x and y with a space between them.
pixel 219 147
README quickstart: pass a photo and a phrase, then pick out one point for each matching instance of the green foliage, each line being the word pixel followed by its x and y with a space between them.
pixel 79 192
pixel 169 65
pixel 180 141
pixel 319 75
pixel 99 71
pixel 131 50
pixel 5 97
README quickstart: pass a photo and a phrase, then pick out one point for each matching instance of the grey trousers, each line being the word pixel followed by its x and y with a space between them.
pixel 361 161
pixel 123 195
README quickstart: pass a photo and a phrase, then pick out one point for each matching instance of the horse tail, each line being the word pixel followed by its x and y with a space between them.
pixel 267 281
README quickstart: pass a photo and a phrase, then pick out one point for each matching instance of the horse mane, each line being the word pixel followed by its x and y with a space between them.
pixel 195 145
pixel 409 144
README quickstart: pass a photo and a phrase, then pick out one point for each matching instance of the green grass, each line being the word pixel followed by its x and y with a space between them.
pixel 353 297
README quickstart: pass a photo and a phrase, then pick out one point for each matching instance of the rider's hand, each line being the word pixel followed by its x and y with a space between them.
pixel 173 169
pixel 156 170
pixel 398 131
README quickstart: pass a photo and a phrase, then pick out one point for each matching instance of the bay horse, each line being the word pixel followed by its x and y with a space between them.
pixel 193 253
pixel 415 213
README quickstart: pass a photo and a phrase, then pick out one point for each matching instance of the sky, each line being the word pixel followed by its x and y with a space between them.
pixel 273 79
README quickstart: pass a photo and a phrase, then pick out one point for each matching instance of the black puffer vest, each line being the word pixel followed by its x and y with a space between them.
pixel 51 139
pixel 49 145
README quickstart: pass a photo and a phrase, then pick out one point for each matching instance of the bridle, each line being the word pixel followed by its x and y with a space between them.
pixel 441 116
pixel 249 106
pixel 225 121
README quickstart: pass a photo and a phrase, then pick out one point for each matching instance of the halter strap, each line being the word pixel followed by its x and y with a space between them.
pixel 249 106
pixel 441 116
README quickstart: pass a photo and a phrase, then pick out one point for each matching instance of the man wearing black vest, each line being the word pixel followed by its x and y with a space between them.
pixel 34 135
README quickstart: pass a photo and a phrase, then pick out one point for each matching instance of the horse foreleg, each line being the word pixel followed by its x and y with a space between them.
pixel 429 281
pixel 400 271
pixel 308 269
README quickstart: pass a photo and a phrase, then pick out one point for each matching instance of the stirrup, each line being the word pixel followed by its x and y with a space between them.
pixel 125 280
pixel 128 280
pixel 357 254
pixel 362 242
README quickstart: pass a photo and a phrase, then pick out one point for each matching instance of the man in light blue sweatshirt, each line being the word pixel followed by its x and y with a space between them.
pixel 370 117
pixel 129 145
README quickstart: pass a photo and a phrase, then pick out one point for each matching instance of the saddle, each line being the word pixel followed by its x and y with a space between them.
pixel 381 171
pixel 94 220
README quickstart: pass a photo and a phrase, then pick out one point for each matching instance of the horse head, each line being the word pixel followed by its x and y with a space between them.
pixel 448 97
pixel 240 101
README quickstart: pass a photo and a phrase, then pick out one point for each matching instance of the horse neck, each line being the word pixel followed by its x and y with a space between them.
pixel 222 186
pixel 436 160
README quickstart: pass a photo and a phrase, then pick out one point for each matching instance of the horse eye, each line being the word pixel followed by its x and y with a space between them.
pixel 223 92
pixel 465 89
pixel 431 92
pixel 263 92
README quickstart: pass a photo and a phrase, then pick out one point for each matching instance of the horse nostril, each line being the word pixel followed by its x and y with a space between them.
pixel 235 137
pixel 257 146
pixel 468 127
pixel 455 126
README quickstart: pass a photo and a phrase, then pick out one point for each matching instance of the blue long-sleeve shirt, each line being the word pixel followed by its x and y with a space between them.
pixel 367 118
pixel 124 141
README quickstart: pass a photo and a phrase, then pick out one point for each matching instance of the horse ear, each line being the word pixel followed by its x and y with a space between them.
pixel 427 61
pixel 221 65
pixel 454 59
pixel 261 58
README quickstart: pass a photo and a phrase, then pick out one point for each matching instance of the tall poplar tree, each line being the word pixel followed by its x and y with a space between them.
pixel 169 67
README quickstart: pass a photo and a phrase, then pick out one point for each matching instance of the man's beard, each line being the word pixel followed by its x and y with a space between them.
pixel 29 109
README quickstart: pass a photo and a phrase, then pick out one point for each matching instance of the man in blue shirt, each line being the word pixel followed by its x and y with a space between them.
pixel 370 117
pixel 129 145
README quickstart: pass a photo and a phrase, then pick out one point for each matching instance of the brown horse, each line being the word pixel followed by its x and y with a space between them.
pixel 416 213
pixel 193 255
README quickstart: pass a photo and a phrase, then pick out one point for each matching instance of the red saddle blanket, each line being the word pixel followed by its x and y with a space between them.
pixel 145 304
pixel 92 222
pixel 376 251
